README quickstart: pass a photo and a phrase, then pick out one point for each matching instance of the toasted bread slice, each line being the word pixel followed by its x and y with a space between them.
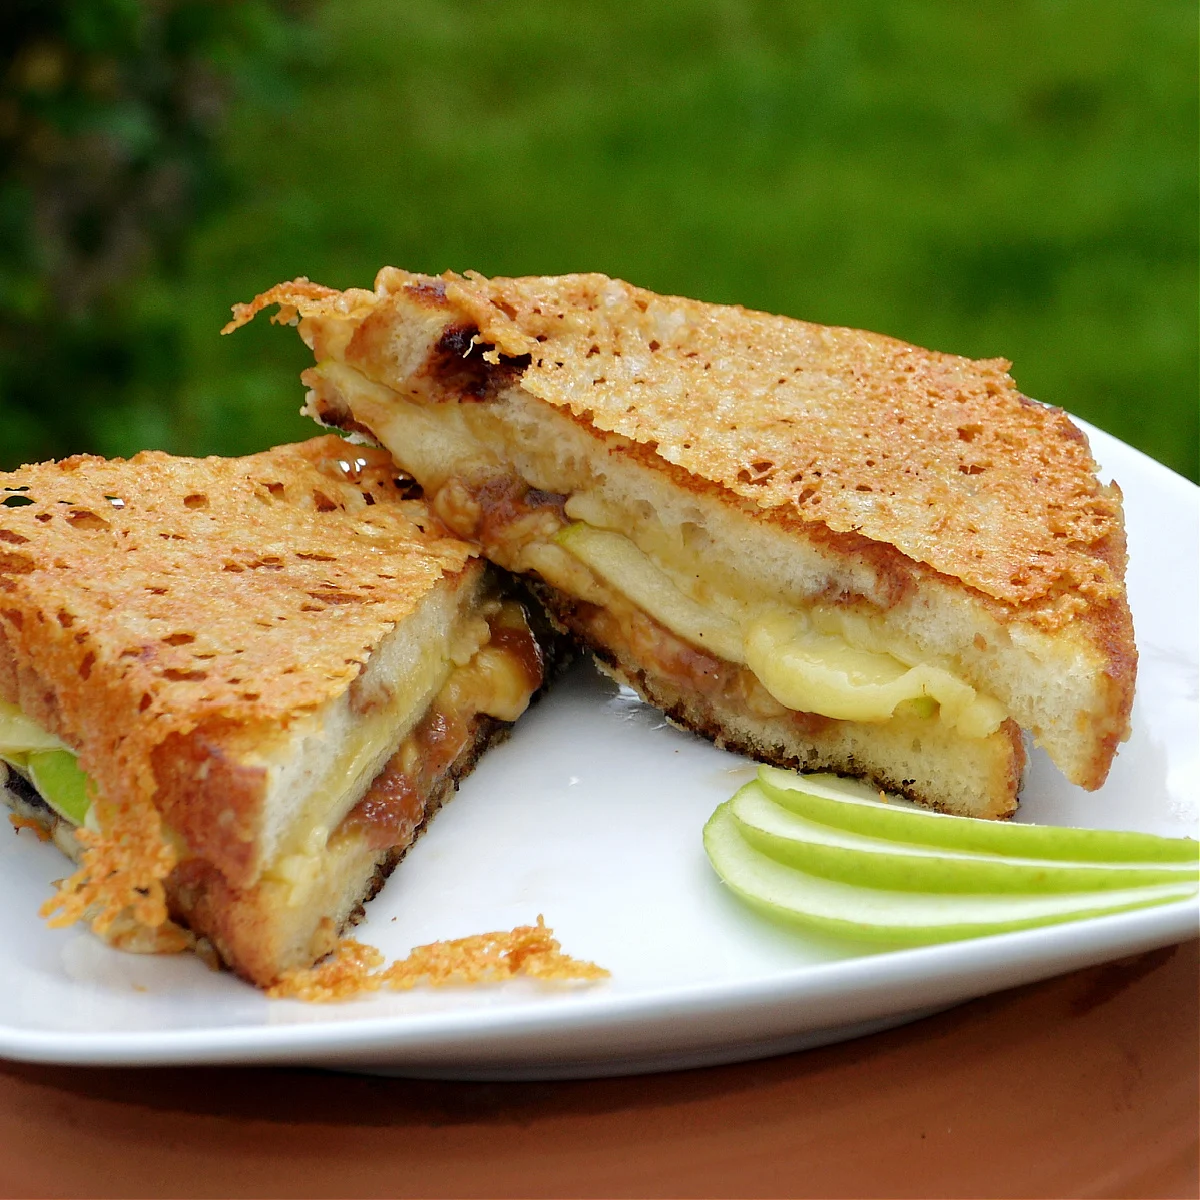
pixel 271 669
pixel 810 494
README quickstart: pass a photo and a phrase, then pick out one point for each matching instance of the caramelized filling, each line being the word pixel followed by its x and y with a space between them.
pixel 520 647
pixel 622 626
pixel 507 518
pixel 394 805
pixel 501 678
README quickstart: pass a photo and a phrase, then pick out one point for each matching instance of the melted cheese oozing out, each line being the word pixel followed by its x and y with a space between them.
pixel 492 682
pixel 830 661
pixel 801 659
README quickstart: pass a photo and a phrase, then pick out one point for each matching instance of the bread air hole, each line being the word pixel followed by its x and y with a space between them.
pixel 84 518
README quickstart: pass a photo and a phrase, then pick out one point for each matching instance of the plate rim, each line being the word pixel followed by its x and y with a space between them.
pixel 1043 952
pixel 954 968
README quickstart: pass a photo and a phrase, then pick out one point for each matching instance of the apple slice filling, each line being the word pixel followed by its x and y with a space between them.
pixel 784 660
pixel 46 763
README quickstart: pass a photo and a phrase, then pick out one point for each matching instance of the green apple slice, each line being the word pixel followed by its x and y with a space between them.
pixel 19 733
pixel 618 561
pixel 833 853
pixel 60 782
pixel 912 918
pixel 856 807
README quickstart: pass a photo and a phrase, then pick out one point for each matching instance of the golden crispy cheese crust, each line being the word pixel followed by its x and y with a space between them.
pixel 353 968
pixel 145 600
pixel 937 455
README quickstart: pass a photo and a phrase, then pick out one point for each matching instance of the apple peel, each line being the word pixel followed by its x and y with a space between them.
pixel 833 857
pixel 846 910
pixel 839 854
pixel 857 808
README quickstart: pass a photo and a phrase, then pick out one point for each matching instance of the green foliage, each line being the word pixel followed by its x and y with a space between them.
pixel 109 111
pixel 1013 180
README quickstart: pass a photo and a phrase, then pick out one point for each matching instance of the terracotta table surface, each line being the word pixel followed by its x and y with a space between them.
pixel 1085 1085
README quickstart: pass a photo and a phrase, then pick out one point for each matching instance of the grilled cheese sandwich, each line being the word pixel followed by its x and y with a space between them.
pixel 267 673
pixel 824 547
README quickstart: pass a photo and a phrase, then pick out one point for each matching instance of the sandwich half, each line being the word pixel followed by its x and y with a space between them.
pixel 236 689
pixel 825 548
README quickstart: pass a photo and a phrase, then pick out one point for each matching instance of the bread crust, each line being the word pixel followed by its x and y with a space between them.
pixel 1109 627
pixel 254 932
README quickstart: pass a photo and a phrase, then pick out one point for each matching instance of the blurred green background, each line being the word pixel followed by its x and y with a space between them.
pixel 1014 178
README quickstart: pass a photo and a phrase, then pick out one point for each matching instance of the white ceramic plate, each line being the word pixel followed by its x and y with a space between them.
pixel 592 815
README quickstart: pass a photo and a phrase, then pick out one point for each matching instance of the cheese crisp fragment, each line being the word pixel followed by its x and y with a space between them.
pixel 354 968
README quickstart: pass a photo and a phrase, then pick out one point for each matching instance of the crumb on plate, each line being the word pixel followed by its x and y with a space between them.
pixel 19 823
pixel 354 968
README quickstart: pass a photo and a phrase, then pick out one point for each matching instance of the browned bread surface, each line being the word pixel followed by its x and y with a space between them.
pixel 929 468
pixel 145 600
pixel 937 455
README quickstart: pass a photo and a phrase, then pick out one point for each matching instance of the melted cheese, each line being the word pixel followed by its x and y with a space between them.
pixel 804 659
pixel 492 682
